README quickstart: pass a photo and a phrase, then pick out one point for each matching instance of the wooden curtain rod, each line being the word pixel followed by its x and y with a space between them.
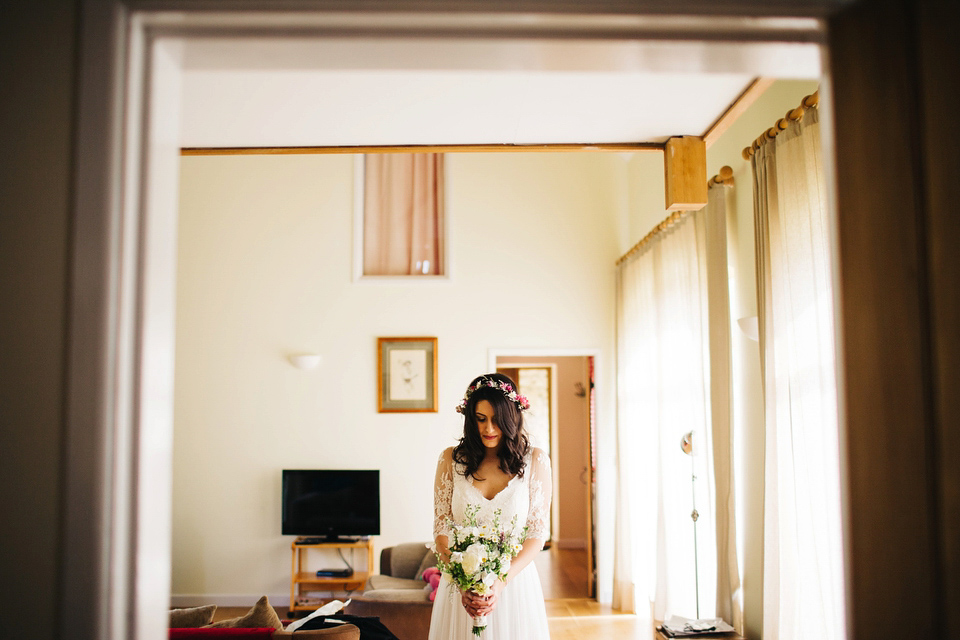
pixel 794 115
pixel 724 176
pixel 665 224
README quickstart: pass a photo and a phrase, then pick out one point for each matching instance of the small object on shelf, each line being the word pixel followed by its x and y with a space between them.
pixel 334 573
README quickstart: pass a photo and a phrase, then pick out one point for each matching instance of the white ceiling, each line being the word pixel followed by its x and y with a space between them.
pixel 346 92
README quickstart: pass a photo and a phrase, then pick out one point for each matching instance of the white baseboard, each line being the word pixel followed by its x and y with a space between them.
pixel 180 600
pixel 571 543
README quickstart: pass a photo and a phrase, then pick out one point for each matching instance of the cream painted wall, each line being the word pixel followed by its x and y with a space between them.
pixel 646 209
pixel 264 270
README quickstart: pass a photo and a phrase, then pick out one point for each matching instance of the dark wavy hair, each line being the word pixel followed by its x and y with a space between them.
pixel 514 443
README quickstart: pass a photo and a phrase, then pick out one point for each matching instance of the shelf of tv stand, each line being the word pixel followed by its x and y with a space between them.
pixel 327 583
pixel 302 580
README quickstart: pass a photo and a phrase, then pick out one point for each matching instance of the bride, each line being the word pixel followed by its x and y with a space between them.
pixel 493 467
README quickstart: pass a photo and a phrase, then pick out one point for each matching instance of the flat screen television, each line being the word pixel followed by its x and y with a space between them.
pixel 331 504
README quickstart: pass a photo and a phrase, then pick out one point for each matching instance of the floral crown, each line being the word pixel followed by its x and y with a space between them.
pixel 504 387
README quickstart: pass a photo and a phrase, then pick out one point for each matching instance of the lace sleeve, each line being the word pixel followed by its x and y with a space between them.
pixel 443 495
pixel 541 492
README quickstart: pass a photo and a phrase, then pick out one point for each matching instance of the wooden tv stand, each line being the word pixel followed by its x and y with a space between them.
pixel 303 580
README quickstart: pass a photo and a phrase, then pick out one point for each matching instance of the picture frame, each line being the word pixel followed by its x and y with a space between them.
pixel 406 375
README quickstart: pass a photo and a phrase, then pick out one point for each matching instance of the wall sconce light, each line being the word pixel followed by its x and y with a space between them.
pixel 750 327
pixel 305 361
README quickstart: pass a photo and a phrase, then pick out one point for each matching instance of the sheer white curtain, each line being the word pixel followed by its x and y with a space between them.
pixel 803 574
pixel 403 214
pixel 729 597
pixel 663 392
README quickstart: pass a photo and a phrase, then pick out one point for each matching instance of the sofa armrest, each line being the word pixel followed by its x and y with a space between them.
pixel 385 561
pixel 342 632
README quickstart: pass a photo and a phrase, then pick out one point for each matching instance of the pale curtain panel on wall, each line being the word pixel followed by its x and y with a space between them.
pixel 403 214
pixel 803 571
pixel 729 596
pixel 663 392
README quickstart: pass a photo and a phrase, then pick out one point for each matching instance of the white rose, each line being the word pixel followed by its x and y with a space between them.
pixel 473 557
pixel 505 564
pixel 456 556
pixel 489 579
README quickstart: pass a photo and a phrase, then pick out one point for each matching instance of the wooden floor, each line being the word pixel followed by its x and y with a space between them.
pixel 572 615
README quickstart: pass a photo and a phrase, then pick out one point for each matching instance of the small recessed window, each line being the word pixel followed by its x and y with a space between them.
pixel 401 215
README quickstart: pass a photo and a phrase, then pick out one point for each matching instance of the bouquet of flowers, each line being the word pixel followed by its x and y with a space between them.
pixel 480 554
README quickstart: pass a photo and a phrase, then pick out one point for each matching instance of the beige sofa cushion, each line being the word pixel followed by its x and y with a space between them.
pixel 405 559
pixel 192 617
pixel 261 615
pixel 377 582
pixel 396 595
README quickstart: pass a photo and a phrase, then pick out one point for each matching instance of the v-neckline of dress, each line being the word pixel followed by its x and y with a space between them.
pixel 496 495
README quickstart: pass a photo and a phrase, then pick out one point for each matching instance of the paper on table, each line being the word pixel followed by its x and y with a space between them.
pixel 326 610
pixel 679 624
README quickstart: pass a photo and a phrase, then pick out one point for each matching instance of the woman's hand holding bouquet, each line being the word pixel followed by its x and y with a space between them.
pixel 480 555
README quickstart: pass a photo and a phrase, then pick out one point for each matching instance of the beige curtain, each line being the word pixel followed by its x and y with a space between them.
pixel 403 214
pixel 663 392
pixel 729 603
pixel 803 575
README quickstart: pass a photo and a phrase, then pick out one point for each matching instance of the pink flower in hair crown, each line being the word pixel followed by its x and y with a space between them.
pixel 504 387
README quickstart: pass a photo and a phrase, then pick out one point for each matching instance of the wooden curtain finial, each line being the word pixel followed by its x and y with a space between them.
pixel 724 176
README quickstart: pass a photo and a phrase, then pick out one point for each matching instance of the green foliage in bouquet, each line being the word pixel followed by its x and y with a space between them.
pixel 480 554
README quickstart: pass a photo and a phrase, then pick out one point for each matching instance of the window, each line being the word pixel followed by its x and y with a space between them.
pixel 400 215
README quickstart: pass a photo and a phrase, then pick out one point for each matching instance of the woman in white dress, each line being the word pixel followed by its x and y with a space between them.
pixel 493 467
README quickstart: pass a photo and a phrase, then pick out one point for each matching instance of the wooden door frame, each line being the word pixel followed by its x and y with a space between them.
pixel 493 355
pixel 552 374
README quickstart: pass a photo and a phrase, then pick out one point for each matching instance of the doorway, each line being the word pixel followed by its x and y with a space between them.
pixel 144 322
pixel 565 383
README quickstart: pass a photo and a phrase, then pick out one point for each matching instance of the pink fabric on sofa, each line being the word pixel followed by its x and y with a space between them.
pixel 264 633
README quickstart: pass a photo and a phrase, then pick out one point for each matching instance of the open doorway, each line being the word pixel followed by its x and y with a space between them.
pixel 565 387
pixel 148 530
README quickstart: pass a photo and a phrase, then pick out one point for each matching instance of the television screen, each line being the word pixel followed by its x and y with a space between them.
pixel 331 503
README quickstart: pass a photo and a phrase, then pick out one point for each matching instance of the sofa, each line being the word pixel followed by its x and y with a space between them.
pixel 260 623
pixel 398 595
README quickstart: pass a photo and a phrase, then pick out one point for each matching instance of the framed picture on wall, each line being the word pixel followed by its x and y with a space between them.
pixel 406 374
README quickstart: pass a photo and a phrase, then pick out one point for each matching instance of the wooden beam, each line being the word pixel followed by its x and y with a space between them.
pixel 618 147
pixel 685 173
pixel 736 109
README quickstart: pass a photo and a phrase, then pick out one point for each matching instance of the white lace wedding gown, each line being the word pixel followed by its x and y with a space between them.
pixel 520 613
